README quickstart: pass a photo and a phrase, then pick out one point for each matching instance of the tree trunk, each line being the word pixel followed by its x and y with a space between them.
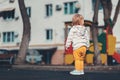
pixel 107 9
pixel 97 59
pixel 117 10
pixel 26 34
pixel 109 23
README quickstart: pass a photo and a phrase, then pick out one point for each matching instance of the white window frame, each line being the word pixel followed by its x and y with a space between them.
pixel 8 15
pixel 8 37
pixel 28 9
pixel 67 6
pixel 49 34
pixel 49 10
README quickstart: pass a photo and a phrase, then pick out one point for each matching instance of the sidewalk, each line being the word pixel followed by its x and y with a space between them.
pixel 66 67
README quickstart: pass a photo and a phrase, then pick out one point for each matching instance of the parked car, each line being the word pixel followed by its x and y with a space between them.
pixel 5 56
pixel 33 57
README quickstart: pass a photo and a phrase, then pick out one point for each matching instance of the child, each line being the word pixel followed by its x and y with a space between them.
pixel 79 37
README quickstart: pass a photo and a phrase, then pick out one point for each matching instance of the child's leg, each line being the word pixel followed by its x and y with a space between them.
pixel 79 65
pixel 79 55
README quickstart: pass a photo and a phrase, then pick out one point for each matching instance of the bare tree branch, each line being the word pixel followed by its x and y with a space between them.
pixel 116 13
pixel 106 11
pixel 97 59
pixel 109 6
pixel 95 17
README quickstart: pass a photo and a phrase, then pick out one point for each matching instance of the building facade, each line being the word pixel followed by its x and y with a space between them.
pixel 50 21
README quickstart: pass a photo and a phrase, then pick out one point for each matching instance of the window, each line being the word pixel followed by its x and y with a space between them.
pixel 49 34
pixel 69 8
pixel 100 5
pixel 49 10
pixel 7 15
pixel 11 1
pixel 28 11
pixel 8 37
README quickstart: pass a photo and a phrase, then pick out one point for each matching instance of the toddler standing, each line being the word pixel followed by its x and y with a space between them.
pixel 79 38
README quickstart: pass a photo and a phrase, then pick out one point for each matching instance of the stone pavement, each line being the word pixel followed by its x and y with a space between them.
pixel 66 67
pixel 25 74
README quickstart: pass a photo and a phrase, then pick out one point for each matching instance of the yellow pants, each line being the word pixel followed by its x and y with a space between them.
pixel 79 55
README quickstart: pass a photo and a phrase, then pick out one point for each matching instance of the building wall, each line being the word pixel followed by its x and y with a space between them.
pixel 40 22
pixel 11 25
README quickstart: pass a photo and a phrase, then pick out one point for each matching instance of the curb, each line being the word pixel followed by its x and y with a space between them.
pixel 66 67
pixel 44 67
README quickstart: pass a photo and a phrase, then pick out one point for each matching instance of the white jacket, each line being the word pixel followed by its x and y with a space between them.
pixel 79 36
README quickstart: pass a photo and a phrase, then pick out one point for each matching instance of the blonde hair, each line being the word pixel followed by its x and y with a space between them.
pixel 77 19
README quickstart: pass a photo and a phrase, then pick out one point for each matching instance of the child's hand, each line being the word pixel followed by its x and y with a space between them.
pixel 69 49
pixel 66 48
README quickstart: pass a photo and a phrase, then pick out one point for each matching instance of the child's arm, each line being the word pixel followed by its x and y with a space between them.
pixel 69 39
pixel 87 38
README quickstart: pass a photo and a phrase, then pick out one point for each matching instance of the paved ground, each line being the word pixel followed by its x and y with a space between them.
pixel 31 74
pixel 49 72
